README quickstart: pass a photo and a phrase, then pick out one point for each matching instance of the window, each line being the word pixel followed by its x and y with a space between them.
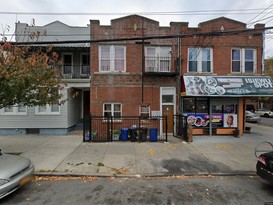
pixel 200 60
pixel 112 109
pixel 14 110
pixel 112 58
pixel 85 64
pixel 195 105
pixel 67 63
pixel 167 98
pixel 144 111
pixel 48 109
pixel 243 60
pixel 157 59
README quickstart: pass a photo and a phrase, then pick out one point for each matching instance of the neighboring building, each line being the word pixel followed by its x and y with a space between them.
pixel 205 73
pixel 132 78
pixel 54 119
pixel 221 70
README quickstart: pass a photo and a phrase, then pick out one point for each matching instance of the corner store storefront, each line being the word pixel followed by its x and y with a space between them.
pixel 215 105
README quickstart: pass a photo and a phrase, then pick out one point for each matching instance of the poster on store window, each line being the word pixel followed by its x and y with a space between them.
pixel 230 120
pixel 202 120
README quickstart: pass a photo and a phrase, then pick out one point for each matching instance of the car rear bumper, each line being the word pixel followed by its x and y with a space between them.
pixel 264 173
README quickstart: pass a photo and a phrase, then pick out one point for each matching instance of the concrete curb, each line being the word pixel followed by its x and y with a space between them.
pixel 187 174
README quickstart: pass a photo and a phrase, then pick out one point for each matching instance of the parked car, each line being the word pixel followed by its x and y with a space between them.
pixel 264 112
pixel 15 171
pixel 264 167
pixel 252 117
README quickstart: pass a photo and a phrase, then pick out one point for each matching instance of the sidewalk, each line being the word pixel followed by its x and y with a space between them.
pixel 68 155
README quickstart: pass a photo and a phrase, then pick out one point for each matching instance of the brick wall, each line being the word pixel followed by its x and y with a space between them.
pixel 131 88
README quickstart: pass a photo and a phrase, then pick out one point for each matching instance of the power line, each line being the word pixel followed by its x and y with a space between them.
pixel 209 34
pixel 193 12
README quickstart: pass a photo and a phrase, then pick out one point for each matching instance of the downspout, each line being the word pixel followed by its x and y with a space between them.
pixel 143 67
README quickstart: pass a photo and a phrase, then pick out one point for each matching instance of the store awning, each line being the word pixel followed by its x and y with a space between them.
pixel 232 86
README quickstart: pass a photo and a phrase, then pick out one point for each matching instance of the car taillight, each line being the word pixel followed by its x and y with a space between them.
pixel 262 160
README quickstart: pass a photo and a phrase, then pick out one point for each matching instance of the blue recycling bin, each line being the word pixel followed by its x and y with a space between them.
pixel 124 134
pixel 153 134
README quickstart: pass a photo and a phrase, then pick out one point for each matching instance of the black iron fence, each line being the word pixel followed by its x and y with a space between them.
pixel 181 127
pixel 125 128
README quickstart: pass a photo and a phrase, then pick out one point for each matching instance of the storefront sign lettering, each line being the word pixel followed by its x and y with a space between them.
pixel 260 82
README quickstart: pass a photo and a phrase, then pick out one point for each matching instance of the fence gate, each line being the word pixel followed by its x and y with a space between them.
pixel 180 130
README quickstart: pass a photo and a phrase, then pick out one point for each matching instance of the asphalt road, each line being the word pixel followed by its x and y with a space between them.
pixel 266 121
pixel 169 191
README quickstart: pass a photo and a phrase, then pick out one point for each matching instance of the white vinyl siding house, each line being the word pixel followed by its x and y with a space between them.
pixel 54 119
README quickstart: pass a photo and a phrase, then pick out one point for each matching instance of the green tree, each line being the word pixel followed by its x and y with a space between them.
pixel 29 76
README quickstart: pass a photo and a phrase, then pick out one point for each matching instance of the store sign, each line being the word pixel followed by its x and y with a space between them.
pixel 228 86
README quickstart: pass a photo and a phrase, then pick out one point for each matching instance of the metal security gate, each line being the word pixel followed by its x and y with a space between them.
pixel 180 129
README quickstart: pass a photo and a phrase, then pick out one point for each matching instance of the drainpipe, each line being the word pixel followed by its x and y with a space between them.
pixel 143 67
pixel 263 53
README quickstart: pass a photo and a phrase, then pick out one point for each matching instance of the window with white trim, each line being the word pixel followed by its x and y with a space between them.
pixel 112 58
pixel 112 109
pixel 243 60
pixel 157 59
pixel 14 110
pixel 48 109
pixel 144 110
pixel 200 60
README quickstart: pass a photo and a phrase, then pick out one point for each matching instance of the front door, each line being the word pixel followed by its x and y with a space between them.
pixel 86 103
pixel 167 110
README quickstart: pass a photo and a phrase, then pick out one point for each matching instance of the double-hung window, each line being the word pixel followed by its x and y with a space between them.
pixel 112 109
pixel 157 59
pixel 200 60
pixel 18 109
pixel 144 111
pixel 47 109
pixel 112 58
pixel 243 60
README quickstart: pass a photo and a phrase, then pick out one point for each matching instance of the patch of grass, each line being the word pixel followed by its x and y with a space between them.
pixel 100 164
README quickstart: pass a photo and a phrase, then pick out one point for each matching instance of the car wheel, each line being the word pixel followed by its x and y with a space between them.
pixel 266 115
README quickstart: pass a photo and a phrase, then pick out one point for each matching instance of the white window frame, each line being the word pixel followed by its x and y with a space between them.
pixel 200 60
pixel 243 60
pixel 112 58
pixel 158 56
pixel 48 110
pixel 112 109
pixel 144 113
pixel 15 111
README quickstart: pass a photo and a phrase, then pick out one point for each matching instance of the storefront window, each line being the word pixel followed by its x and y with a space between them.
pixel 188 105
pixel 202 105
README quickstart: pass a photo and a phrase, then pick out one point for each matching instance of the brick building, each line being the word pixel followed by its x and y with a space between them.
pixel 205 73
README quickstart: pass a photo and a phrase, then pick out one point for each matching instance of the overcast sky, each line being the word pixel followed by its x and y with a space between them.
pixel 192 11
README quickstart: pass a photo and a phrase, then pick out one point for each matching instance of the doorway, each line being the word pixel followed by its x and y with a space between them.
pixel 167 110
pixel 86 103
pixel 167 101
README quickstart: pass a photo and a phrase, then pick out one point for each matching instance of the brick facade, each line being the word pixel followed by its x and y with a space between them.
pixel 132 87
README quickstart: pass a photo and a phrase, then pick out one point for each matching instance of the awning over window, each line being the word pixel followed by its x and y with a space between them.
pixel 233 86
